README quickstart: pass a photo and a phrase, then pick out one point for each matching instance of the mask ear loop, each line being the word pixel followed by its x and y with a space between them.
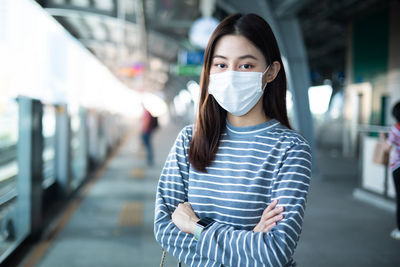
pixel 263 76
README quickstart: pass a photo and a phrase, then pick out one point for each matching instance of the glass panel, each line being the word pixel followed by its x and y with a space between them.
pixel 8 171
pixel 78 149
pixel 49 133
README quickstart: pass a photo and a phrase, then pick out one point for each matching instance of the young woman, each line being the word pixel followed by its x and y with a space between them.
pixel 394 142
pixel 234 186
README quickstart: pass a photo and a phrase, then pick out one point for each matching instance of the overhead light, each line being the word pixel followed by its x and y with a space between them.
pixel 201 31
pixel 156 63
pixel 319 97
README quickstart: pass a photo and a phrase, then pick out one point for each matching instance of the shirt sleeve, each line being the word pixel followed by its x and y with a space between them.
pixel 393 137
pixel 232 247
pixel 171 191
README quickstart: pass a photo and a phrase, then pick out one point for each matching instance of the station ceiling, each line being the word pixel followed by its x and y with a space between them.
pixel 129 32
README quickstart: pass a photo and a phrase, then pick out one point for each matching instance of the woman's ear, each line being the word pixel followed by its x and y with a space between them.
pixel 272 72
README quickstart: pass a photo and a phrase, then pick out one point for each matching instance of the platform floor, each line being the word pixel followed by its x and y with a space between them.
pixel 112 221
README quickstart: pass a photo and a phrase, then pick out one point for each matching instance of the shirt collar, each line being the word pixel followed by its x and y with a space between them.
pixel 250 130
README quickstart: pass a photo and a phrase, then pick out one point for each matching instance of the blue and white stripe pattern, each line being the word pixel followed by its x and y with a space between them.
pixel 253 166
pixel 394 140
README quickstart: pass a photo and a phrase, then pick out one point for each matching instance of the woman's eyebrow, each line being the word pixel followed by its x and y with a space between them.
pixel 241 57
pixel 220 56
pixel 248 56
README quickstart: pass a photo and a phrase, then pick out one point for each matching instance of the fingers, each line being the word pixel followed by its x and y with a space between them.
pixel 266 226
pixel 273 213
pixel 274 219
pixel 184 205
pixel 187 209
pixel 271 206
pixel 270 217
pixel 268 214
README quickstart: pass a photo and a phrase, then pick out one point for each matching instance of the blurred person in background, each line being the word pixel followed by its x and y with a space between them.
pixel 393 141
pixel 234 186
pixel 148 125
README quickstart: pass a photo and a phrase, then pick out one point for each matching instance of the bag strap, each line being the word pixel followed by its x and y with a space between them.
pixel 164 253
pixel 162 258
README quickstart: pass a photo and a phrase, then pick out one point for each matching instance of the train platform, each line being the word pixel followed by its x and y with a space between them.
pixel 110 222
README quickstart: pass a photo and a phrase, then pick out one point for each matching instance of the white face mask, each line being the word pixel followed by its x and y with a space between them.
pixel 237 91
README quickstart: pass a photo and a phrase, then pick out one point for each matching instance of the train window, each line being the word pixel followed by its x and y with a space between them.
pixel 49 135
pixel 78 148
pixel 8 171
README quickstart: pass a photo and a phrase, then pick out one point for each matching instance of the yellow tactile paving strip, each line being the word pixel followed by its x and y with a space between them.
pixel 131 214
pixel 41 248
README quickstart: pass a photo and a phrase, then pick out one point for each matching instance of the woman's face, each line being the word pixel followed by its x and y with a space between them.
pixel 236 53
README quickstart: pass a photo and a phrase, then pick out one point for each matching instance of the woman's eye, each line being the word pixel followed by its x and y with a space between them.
pixel 220 65
pixel 246 66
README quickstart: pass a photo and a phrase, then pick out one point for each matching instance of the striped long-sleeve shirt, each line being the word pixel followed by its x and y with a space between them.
pixel 253 166
pixel 394 140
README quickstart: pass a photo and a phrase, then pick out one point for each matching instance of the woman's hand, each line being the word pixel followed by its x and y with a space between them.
pixel 184 218
pixel 270 217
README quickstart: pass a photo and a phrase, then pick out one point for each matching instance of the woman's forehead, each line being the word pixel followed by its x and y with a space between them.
pixel 235 46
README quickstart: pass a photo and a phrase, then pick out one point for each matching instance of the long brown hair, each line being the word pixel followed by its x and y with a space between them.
pixel 211 118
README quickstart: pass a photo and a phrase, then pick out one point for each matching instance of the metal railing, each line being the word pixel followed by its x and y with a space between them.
pixel 373 130
pixel 8 173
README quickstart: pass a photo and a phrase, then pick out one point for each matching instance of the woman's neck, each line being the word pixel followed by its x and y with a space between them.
pixel 253 117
